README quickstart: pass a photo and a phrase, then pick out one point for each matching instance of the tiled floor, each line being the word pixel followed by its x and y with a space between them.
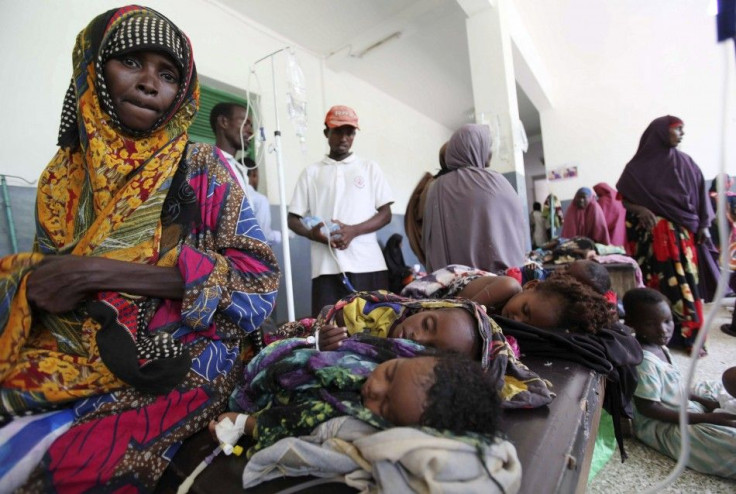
pixel 645 467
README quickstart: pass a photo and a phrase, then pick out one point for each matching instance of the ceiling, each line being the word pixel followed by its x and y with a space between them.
pixel 414 50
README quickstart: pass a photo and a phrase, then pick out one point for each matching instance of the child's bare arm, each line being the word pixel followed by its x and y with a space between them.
pixel 339 318
pixel 250 423
pixel 709 405
pixel 657 411
pixel 491 291
pixel 330 337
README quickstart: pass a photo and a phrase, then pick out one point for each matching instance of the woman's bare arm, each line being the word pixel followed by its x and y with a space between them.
pixel 60 283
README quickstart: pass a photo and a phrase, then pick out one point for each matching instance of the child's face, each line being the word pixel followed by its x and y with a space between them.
pixel 655 325
pixel 450 329
pixel 397 389
pixel 538 309
pixel 143 86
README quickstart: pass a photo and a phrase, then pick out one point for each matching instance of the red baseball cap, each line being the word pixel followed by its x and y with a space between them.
pixel 341 115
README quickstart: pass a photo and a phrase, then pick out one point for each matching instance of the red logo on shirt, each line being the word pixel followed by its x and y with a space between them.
pixel 359 182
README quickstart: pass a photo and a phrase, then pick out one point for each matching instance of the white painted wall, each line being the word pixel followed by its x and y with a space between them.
pixel 37 39
pixel 533 167
pixel 614 66
pixel 617 66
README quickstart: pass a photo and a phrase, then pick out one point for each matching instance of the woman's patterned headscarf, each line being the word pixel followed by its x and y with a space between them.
pixel 112 34
pixel 103 193
pixel 98 178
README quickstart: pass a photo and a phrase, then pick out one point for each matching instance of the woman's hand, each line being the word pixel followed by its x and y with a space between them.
pixel 655 410
pixel 702 235
pixel 330 337
pixel 647 219
pixel 58 283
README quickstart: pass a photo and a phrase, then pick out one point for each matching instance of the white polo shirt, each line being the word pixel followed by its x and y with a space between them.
pixel 350 191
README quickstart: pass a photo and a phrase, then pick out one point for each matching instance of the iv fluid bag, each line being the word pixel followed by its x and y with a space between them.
pixel 297 96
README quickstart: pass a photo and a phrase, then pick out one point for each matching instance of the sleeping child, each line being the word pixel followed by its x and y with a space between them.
pixel 565 300
pixel 456 325
pixel 657 395
pixel 291 387
pixel 387 414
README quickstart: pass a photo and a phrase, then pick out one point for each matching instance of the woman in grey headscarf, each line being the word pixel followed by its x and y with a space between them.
pixel 472 214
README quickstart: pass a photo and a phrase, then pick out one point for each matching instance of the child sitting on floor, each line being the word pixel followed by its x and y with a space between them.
pixel 657 396
pixel 290 387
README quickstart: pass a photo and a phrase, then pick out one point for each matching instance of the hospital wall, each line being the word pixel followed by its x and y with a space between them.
pixel 37 39
pixel 615 67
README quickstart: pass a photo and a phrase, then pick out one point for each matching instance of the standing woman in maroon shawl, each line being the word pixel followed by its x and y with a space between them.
pixel 614 212
pixel 472 215
pixel 668 214
pixel 584 218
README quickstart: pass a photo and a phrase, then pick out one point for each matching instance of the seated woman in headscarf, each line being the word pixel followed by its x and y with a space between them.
pixel 667 218
pixel 614 212
pixel 472 214
pixel 584 218
pixel 148 273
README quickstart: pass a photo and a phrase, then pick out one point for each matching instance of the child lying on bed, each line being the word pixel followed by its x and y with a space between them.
pixel 456 325
pixel 564 300
pixel 291 387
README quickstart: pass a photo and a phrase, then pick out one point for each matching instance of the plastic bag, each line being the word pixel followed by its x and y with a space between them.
pixel 297 96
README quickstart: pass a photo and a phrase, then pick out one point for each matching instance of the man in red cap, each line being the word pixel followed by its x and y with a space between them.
pixel 347 198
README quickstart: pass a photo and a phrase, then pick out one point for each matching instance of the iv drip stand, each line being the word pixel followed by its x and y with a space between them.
pixel 282 194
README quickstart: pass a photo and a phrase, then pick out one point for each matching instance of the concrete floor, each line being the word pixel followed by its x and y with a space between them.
pixel 645 467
